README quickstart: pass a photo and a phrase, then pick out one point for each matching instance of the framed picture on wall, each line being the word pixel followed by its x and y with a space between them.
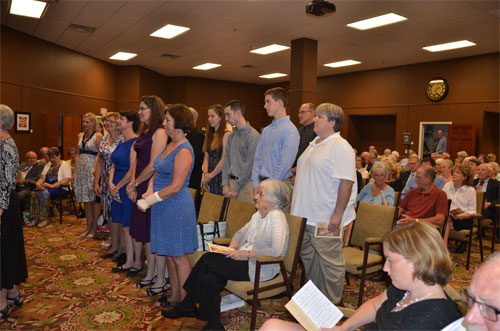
pixel 23 122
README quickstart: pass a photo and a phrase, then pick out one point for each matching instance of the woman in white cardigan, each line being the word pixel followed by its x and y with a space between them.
pixel 266 234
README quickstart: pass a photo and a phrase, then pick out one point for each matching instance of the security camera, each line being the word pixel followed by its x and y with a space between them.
pixel 320 8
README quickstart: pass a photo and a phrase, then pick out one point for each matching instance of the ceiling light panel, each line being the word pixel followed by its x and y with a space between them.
pixel 269 49
pixel 448 46
pixel 274 75
pixel 375 22
pixel 169 31
pixel 123 56
pixel 29 8
pixel 207 66
pixel 344 63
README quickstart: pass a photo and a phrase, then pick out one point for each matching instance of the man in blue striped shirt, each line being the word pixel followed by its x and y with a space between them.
pixel 278 144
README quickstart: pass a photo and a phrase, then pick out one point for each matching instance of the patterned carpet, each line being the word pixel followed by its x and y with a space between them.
pixel 71 288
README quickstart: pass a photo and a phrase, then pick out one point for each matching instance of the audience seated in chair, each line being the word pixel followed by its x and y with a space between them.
pixel 55 174
pixel 424 203
pixel 419 265
pixel 491 187
pixel 463 200
pixel 29 173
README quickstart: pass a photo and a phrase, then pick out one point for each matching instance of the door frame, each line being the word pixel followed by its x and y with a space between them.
pixel 421 135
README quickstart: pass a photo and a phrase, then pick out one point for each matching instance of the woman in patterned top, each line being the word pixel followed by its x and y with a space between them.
pixel 101 179
pixel 13 269
pixel 88 146
pixel 214 149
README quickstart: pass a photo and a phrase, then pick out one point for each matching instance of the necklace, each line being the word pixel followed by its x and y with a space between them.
pixel 402 306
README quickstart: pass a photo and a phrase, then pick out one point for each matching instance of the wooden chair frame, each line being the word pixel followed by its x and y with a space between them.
pixel 369 243
pixel 69 197
pixel 287 277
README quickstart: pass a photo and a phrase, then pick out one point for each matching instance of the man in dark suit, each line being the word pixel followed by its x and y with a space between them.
pixel 29 172
pixel 491 188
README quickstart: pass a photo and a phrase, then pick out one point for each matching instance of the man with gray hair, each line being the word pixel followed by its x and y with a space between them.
pixel 482 299
pixel 425 203
pixel 306 132
pixel 29 173
pixel 325 192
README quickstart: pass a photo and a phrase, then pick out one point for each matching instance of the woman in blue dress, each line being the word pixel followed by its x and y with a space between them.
pixel 119 177
pixel 173 215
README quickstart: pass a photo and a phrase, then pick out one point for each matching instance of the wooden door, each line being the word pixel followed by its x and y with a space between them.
pixel 50 130
pixel 461 137
pixel 72 125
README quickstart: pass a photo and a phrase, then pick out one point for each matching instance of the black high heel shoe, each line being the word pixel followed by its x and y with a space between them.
pixel 108 255
pixel 5 312
pixel 17 301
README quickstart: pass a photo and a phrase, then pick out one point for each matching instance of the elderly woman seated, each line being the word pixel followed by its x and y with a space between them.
pixel 266 234
pixel 378 192
pixel 55 174
pixel 419 265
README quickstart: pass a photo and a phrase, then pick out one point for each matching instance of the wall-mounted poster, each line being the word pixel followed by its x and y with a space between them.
pixel 23 122
pixel 406 138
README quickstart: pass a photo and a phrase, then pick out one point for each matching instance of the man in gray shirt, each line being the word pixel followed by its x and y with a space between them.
pixel 240 152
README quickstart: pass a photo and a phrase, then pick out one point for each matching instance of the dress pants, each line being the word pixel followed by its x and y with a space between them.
pixel 245 193
pixel 324 263
pixel 208 277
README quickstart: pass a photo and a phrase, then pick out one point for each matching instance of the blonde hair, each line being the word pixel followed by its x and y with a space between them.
pixel 422 244
pixel 92 118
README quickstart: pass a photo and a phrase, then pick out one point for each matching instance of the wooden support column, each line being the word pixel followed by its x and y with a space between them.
pixel 303 75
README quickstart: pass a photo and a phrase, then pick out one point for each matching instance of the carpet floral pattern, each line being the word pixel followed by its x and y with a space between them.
pixel 71 288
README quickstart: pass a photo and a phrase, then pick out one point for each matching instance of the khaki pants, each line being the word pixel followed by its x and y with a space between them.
pixel 246 192
pixel 324 263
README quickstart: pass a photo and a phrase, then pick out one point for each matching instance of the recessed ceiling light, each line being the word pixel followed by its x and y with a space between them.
pixel 269 49
pixel 169 31
pixel 123 56
pixel 29 8
pixel 375 22
pixel 448 46
pixel 206 66
pixel 275 75
pixel 344 63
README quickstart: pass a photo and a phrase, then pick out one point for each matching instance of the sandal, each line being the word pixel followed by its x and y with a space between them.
pixel 42 224
pixel 32 224
pixel 144 283
pixel 5 312
pixel 17 301
pixel 120 269
pixel 153 291
pixel 133 272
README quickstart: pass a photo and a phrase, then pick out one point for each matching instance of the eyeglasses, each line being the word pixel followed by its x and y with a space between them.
pixel 143 108
pixel 488 312
pixel 304 111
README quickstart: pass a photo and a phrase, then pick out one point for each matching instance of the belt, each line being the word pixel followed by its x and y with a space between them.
pixel 261 178
pixel 233 177
pixel 87 152
pixel 121 170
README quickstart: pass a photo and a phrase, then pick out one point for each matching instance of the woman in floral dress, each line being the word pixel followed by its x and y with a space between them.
pixel 88 148
pixel 103 167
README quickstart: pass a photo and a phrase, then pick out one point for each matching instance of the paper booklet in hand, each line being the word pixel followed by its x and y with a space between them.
pixel 312 309
pixel 218 248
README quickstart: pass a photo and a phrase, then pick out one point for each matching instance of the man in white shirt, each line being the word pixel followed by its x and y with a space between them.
pixel 325 191
pixel 482 298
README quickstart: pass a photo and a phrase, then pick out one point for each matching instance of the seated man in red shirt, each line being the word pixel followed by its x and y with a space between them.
pixel 425 203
